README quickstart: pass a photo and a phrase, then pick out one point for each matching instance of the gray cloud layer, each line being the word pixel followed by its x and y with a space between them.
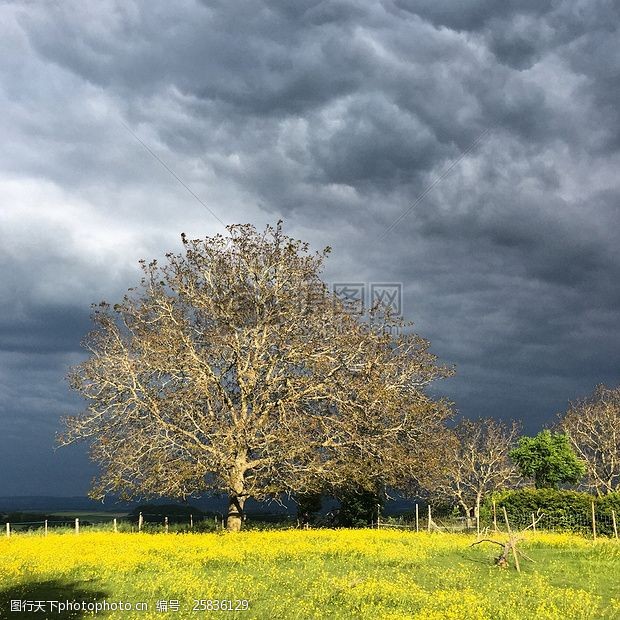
pixel 335 116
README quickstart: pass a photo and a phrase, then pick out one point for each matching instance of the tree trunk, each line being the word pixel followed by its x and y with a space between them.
pixel 236 495
pixel 467 513
pixel 235 513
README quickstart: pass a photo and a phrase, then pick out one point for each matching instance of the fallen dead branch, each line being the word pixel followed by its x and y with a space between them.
pixel 510 546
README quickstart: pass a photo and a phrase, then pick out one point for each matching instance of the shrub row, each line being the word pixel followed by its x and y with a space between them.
pixel 571 510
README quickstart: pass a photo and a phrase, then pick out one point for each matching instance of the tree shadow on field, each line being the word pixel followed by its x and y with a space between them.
pixel 31 593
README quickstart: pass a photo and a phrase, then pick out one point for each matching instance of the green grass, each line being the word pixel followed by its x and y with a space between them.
pixel 333 574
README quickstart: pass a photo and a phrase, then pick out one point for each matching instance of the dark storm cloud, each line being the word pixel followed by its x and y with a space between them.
pixel 45 330
pixel 336 116
pixel 472 15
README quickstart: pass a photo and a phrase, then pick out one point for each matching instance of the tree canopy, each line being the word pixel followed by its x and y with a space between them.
pixel 476 462
pixel 549 459
pixel 593 428
pixel 231 368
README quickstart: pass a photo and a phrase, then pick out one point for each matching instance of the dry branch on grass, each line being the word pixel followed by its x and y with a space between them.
pixel 510 546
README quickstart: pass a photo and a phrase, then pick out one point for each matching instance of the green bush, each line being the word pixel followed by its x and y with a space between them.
pixel 308 507
pixel 609 502
pixel 561 509
pixel 155 513
pixel 358 507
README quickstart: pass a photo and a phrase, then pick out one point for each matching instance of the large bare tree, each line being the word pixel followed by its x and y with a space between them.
pixel 593 428
pixel 231 368
pixel 477 462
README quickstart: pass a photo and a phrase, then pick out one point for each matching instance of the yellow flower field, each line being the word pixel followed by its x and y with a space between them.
pixel 339 574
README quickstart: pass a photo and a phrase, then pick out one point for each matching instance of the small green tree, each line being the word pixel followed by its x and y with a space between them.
pixel 358 506
pixel 549 459
pixel 308 506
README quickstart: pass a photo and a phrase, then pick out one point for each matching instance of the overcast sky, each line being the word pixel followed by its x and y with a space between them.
pixel 335 116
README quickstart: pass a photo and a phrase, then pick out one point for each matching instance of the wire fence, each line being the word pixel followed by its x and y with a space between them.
pixel 593 525
pixel 147 522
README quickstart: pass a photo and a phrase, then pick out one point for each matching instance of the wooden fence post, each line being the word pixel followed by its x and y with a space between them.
pixel 593 522
pixel 378 516
pixel 45 528
pixel 77 526
pixel 140 522
pixel 533 523
pixel 429 519
pixel 115 525
pixel 494 516
pixel 166 524
pixel 613 520
pixel 8 529
pixel 417 517
pixel 512 546
pixel 506 519
pixel 191 522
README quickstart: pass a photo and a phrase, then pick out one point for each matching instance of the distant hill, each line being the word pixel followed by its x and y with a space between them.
pixel 214 504
pixel 44 503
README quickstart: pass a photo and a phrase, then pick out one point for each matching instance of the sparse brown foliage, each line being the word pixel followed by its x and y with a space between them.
pixel 476 462
pixel 593 428
pixel 232 369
